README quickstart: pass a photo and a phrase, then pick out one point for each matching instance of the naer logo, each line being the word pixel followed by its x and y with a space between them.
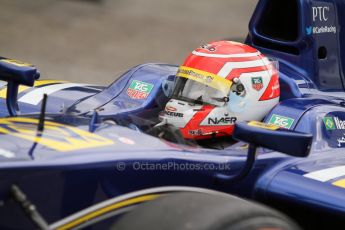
pixel 283 122
pixel 222 120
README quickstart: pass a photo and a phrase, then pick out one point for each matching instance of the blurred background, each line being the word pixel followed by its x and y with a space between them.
pixel 95 40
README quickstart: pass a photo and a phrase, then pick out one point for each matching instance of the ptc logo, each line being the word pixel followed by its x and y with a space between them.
pixel 283 122
pixel 320 13
pixel 329 123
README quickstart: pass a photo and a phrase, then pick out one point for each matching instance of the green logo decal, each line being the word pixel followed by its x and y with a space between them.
pixel 139 89
pixel 257 83
pixel 283 122
pixel 329 123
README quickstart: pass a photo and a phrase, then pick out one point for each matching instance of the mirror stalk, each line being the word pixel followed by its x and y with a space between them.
pixel 11 98
pixel 248 165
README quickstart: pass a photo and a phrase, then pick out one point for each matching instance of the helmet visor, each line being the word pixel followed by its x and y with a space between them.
pixel 200 87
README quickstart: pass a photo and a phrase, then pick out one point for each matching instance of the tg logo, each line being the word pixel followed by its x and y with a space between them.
pixel 141 86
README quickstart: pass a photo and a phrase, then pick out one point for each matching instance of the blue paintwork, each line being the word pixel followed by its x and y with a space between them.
pixel 61 183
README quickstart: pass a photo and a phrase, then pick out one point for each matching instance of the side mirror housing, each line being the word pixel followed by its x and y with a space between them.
pixel 273 137
pixel 16 73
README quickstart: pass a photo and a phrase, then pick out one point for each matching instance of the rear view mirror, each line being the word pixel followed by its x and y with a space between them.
pixel 273 137
pixel 16 73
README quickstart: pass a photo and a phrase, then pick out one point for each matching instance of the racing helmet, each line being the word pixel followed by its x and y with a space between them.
pixel 219 84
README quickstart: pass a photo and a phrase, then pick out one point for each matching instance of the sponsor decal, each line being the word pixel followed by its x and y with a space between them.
pixel 174 114
pixel 257 83
pixel 341 141
pixel 262 125
pixel 334 130
pixel 340 124
pixel 320 13
pixel 322 17
pixel 332 123
pixel 139 89
pixel 309 30
pixel 205 78
pixel 273 88
pixel 222 120
pixel 56 136
pixel 321 29
pixel 170 108
pixel 197 132
pixel 195 74
pixel 329 123
pixel 281 121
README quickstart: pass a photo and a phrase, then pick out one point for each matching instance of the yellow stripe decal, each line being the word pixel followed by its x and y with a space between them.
pixel 106 209
pixel 262 125
pixel 205 78
pixel 16 63
pixel 55 136
pixel 23 88
pixel 339 183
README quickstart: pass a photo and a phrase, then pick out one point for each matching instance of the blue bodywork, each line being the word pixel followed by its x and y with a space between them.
pixel 304 36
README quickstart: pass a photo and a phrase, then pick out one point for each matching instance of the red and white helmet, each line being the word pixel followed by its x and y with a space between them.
pixel 218 84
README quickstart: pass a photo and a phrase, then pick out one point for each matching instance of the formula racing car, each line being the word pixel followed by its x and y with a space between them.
pixel 76 156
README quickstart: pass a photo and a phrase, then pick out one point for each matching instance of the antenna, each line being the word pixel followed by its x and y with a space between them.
pixel 94 122
pixel 40 126
pixel 41 120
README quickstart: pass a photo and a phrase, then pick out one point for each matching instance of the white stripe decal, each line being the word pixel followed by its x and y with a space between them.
pixel 229 66
pixel 327 174
pixel 35 96
pixel 226 55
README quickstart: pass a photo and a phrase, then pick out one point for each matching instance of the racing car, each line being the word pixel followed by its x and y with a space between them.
pixel 86 156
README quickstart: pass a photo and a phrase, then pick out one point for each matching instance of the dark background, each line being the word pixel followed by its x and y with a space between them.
pixel 94 40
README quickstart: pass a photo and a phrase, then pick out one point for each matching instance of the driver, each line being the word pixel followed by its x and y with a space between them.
pixel 219 84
